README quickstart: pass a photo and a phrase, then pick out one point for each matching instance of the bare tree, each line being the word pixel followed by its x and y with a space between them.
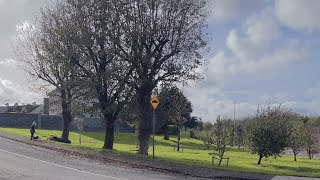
pixel 222 137
pixel 208 139
pixel 89 27
pixel 44 56
pixel 179 110
pixel 311 143
pixel 240 134
pixel 163 41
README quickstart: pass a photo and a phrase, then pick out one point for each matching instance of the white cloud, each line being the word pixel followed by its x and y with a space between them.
pixel 263 29
pixel 256 36
pixel 254 48
pixel 251 49
pixel 277 59
pixel 222 66
pixel 7 62
pixel 12 93
pixel 210 102
pixel 299 14
pixel 225 107
pixel 232 9
pixel 224 9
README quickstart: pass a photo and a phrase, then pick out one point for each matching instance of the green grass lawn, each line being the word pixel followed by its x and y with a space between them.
pixel 193 153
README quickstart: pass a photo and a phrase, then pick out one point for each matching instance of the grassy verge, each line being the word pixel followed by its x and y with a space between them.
pixel 193 153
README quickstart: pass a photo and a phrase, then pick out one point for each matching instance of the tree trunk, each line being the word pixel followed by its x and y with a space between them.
pixel 295 153
pixel 166 133
pixel 220 160
pixel 66 116
pixel 309 153
pixel 260 157
pixel 109 134
pixel 136 133
pixel 208 141
pixel 232 139
pixel 65 131
pixel 178 136
pixel 145 119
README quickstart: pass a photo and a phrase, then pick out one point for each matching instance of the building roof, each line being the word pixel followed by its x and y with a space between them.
pixel 18 109
pixel 3 109
pixel 38 110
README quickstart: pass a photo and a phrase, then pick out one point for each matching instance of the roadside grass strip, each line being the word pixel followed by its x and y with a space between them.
pixel 193 153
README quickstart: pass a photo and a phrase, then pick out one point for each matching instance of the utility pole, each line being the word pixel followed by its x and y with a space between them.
pixel 153 130
pixel 234 123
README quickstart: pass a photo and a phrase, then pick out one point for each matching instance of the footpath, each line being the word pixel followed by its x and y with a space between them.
pixel 146 163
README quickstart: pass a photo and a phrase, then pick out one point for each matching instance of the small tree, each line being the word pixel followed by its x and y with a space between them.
pixel 192 123
pixel 222 137
pixel 200 125
pixel 163 115
pixel 175 109
pixel 207 127
pixel 311 143
pixel 269 132
pixel 240 134
pixel 179 111
pixel 297 135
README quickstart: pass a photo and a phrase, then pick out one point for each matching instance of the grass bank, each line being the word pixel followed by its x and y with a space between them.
pixel 193 153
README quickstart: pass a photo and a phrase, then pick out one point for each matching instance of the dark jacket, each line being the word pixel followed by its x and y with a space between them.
pixel 33 128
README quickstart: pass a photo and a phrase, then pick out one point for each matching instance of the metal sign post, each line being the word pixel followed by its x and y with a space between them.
pixel 153 130
pixel 154 102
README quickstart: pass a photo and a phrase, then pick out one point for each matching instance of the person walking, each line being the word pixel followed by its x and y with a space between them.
pixel 33 129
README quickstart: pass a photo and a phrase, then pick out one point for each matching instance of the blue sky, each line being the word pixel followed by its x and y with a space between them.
pixel 261 50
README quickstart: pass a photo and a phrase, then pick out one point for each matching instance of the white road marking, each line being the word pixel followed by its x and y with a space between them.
pixel 54 164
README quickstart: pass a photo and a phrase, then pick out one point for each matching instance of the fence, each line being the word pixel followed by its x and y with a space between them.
pixel 54 122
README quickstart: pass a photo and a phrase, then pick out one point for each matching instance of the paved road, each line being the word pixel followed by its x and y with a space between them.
pixel 21 161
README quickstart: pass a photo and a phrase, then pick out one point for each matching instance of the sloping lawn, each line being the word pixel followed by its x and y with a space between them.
pixel 193 153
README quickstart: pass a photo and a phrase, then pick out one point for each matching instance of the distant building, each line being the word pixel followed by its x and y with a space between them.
pixel 24 108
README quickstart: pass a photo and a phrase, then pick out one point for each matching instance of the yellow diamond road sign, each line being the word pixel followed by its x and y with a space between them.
pixel 154 102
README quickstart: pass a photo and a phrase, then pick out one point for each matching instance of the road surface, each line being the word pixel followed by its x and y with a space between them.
pixel 22 161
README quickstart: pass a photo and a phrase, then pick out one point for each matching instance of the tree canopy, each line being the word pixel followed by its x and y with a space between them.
pixel 269 132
